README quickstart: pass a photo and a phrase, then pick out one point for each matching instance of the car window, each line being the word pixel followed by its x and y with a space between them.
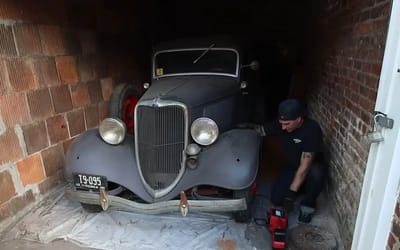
pixel 205 61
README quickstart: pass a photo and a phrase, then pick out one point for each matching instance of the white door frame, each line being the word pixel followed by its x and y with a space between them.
pixel 382 176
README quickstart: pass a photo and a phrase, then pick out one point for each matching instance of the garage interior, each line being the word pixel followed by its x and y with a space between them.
pixel 60 60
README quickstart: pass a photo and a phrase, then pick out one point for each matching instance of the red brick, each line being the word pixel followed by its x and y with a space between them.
pixel 376 55
pixel 51 182
pixel 107 87
pixel 40 104
pixel 31 170
pixel 4 82
pixel 10 147
pixel 86 72
pixel 45 71
pixel 95 92
pixel 10 9
pixel 100 66
pixel 20 74
pixel 92 116
pixel 103 110
pixel 32 12
pixel 27 39
pixel 7 46
pixel 16 204
pixel 397 210
pixel 80 95
pixel 67 70
pixel 76 122
pixel 35 136
pixel 376 69
pixel 381 24
pixel 72 45
pixel 57 129
pixel 61 99
pixel 391 240
pixel 44 12
pixel 14 109
pixel 88 42
pixel 6 187
pixel 379 11
pixel 66 145
pixel 53 159
pixel 52 40
pixel 395 228
pixel 367 105
pixel 363 28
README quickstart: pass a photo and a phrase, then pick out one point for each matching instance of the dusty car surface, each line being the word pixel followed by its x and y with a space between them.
pixel 178 146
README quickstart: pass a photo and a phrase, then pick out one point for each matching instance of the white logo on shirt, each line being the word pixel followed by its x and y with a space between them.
pixel 295 140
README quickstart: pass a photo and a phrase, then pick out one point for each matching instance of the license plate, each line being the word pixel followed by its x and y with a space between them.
pixel 89 182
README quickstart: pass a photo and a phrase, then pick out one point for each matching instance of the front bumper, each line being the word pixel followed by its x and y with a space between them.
pixel 183 205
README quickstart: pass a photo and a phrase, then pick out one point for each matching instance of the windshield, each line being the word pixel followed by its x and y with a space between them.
pixel 196 61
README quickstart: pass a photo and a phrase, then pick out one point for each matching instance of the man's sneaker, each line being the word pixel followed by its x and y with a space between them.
pixel 305 214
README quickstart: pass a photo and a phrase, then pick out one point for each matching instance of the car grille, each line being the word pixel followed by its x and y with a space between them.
pixel 160 143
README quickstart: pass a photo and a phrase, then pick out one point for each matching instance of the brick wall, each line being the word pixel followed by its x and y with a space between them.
pixel 55 83
pixel 348 42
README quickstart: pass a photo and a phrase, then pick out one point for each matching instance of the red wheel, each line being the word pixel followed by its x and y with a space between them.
pixel 128 110
pixel 122 104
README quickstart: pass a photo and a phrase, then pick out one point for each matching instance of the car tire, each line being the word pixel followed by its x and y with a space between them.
pixel 122 103
pixel 244 215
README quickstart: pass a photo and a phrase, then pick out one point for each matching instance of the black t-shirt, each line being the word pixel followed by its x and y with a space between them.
pixel 307 138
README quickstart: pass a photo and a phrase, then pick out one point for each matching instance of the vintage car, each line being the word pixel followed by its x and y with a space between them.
pixel 178 146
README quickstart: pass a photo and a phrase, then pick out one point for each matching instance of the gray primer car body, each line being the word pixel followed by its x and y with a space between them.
pixel 231 162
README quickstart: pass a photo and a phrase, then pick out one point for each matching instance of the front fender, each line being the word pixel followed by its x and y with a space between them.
pixel 232 162
pixel 89 154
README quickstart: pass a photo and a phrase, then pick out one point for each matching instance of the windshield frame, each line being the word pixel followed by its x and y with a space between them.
pixel 196 73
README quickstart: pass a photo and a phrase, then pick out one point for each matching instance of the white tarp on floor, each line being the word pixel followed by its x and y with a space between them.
pixel 60 218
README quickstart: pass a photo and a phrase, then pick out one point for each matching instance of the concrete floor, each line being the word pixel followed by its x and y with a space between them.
pixel 259 235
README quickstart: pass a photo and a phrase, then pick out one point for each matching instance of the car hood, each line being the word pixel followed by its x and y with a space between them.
pixel 192 90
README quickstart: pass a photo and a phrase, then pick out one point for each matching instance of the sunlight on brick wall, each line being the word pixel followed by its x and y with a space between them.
pixel 54 85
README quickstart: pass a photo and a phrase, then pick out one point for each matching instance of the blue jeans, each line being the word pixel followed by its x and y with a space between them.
pixel 311 187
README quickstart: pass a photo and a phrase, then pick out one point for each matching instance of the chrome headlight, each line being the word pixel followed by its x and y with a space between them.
pixel 112 130
pixel 204 131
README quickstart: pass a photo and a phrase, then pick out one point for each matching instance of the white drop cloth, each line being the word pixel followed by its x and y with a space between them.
pixel 124 230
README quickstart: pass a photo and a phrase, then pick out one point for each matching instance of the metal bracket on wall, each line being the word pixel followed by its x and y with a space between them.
pixel 382 120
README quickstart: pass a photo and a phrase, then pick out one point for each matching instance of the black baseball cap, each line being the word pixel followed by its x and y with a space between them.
pixel 290 109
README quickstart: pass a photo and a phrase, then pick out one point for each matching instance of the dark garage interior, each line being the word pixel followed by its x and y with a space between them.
pixel 60 61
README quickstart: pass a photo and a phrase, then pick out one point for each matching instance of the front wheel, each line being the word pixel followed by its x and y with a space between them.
pixel 122 104
pixel 244 215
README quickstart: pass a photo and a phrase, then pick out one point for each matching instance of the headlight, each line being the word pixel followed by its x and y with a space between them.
pixel 204 131
pixel 112 130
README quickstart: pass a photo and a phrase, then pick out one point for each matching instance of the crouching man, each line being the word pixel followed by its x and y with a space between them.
pixel 304 171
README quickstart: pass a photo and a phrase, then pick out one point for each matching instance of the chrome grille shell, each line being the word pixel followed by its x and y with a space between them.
pixel 161 136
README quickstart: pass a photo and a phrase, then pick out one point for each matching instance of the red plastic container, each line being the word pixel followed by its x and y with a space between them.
pixel 278 223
